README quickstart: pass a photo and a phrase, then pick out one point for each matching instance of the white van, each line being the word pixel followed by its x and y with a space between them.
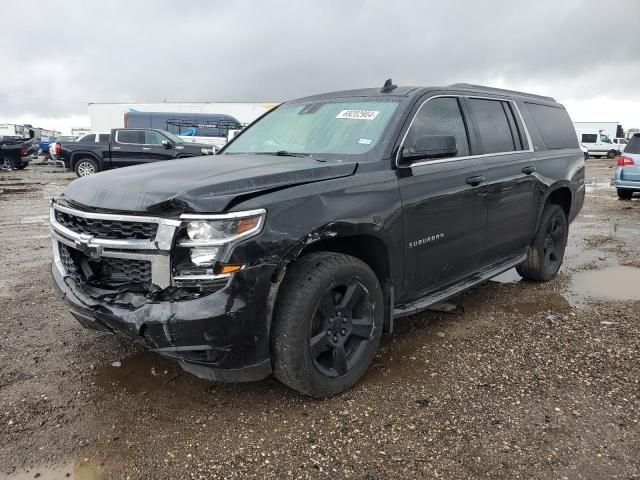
pixel 598 144
pixel 621 143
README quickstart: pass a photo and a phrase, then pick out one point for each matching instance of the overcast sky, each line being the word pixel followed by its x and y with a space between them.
pixel 59 55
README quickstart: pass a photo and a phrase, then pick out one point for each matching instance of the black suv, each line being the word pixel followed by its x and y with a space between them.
pixel 125 147
pixel 317 226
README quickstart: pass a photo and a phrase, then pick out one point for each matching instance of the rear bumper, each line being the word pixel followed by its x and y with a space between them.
pixel 223 336
pixel 627 185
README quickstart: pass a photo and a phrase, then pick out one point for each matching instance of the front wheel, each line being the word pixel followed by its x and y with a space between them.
pixel 327 324
pixel 86 167
pixel 546 252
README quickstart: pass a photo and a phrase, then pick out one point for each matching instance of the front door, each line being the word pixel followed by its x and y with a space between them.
pixel 443 204
pixel 155 150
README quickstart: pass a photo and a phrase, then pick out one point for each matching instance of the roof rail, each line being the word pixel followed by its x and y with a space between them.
pixel 501 90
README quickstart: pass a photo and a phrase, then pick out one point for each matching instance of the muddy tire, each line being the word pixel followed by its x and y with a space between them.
pixel 327 324
pixel 547 249
pixel 85 167
pixel 611 154
pixel 624 194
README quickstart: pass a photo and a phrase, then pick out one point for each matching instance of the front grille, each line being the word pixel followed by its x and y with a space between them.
pixel 104 272
pixel 107 229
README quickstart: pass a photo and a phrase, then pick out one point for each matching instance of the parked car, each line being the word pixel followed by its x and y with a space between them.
pixel 318 226
pixel 627 176
pixel 598 144
pixel 16 152
pixel 126 147
pixel 54 146
pixel 621 143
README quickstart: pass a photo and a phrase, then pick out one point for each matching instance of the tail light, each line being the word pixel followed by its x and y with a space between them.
pixel 625 161
pixel 57 148
pixel 24 151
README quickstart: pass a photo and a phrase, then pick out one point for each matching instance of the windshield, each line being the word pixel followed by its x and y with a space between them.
pixel 172 137
pixel 322 128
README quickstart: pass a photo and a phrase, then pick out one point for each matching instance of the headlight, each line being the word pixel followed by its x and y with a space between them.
pixel 206 151
pixel 218 232
pixel 207 239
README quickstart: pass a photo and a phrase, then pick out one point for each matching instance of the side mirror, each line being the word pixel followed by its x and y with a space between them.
pixel 167 144
pixel 429 146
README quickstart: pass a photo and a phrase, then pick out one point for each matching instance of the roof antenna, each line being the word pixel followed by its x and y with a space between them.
pixel 388 86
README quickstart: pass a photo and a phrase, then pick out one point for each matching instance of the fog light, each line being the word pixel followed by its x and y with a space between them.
pixel 204 256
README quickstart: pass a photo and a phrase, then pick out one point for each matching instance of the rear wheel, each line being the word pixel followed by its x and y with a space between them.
pixel 86 166
pixel 611 154
pixel 625 194
pixel 546 252
pixel 327 324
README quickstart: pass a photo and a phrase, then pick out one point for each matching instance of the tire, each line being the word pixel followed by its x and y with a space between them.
pixel 306 344
pixel 611 154
pixel 23 166
pixel 547 249
pixel 85 167
pixel 624 194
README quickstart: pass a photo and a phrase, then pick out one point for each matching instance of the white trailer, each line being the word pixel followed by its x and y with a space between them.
pixel 597 137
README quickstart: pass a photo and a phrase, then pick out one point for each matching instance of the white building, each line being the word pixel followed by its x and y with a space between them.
pixel 105 116
pixel 607 128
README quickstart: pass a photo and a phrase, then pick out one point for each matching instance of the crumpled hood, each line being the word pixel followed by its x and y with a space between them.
pixel 197 184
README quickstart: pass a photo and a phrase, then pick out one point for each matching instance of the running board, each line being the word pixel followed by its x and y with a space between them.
pixel 454 289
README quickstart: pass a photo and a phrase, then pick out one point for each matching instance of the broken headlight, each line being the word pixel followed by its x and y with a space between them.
pixel 205 240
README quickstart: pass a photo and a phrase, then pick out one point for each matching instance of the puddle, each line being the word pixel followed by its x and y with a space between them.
pixel 143 371
pixel 595 186
pixel 82 470
pixel 613 283
pixel 11 191
pixel 553 302
pixel 510 276
pixel 626 230
pixel 35 219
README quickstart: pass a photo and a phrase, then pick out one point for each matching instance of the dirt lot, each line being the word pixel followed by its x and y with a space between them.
pixel 531 381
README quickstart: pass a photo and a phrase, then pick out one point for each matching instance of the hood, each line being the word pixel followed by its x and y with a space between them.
pixel 206 184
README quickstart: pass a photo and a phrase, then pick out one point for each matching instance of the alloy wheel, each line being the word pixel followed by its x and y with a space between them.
pixel 341 329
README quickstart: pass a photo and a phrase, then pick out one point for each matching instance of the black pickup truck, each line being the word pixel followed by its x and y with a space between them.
pixel 16 152
pixel 318 226
pixel 126 147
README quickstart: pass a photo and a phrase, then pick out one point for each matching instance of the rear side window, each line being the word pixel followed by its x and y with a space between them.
pixel 440 116
pixel 103 138
pixel 634 144
pixel 496 125
pixel 554 126
pixel 589 138
pixel 130 136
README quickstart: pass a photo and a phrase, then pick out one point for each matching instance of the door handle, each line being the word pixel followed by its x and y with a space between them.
pixel 477 180
pixel 528 170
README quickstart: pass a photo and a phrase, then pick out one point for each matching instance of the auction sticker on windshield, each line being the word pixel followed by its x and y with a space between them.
pixel 358 114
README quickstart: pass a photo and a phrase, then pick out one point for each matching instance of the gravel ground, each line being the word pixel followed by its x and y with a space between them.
pixel 529 381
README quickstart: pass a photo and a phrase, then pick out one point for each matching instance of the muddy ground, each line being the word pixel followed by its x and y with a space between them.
pixel 531 381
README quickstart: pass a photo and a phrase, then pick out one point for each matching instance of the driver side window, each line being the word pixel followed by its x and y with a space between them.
pixel 440 116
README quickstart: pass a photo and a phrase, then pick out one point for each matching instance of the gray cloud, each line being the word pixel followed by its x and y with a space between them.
pixel 72 52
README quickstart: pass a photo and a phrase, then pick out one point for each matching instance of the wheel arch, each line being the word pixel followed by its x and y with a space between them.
pixel 77 156
pixel 369 248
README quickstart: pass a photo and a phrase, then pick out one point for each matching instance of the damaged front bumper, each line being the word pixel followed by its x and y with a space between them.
pixel 220 334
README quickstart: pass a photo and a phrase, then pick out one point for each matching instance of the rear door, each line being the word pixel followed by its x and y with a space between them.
pixel 443 203
pixel 511 178
pixel 127 148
